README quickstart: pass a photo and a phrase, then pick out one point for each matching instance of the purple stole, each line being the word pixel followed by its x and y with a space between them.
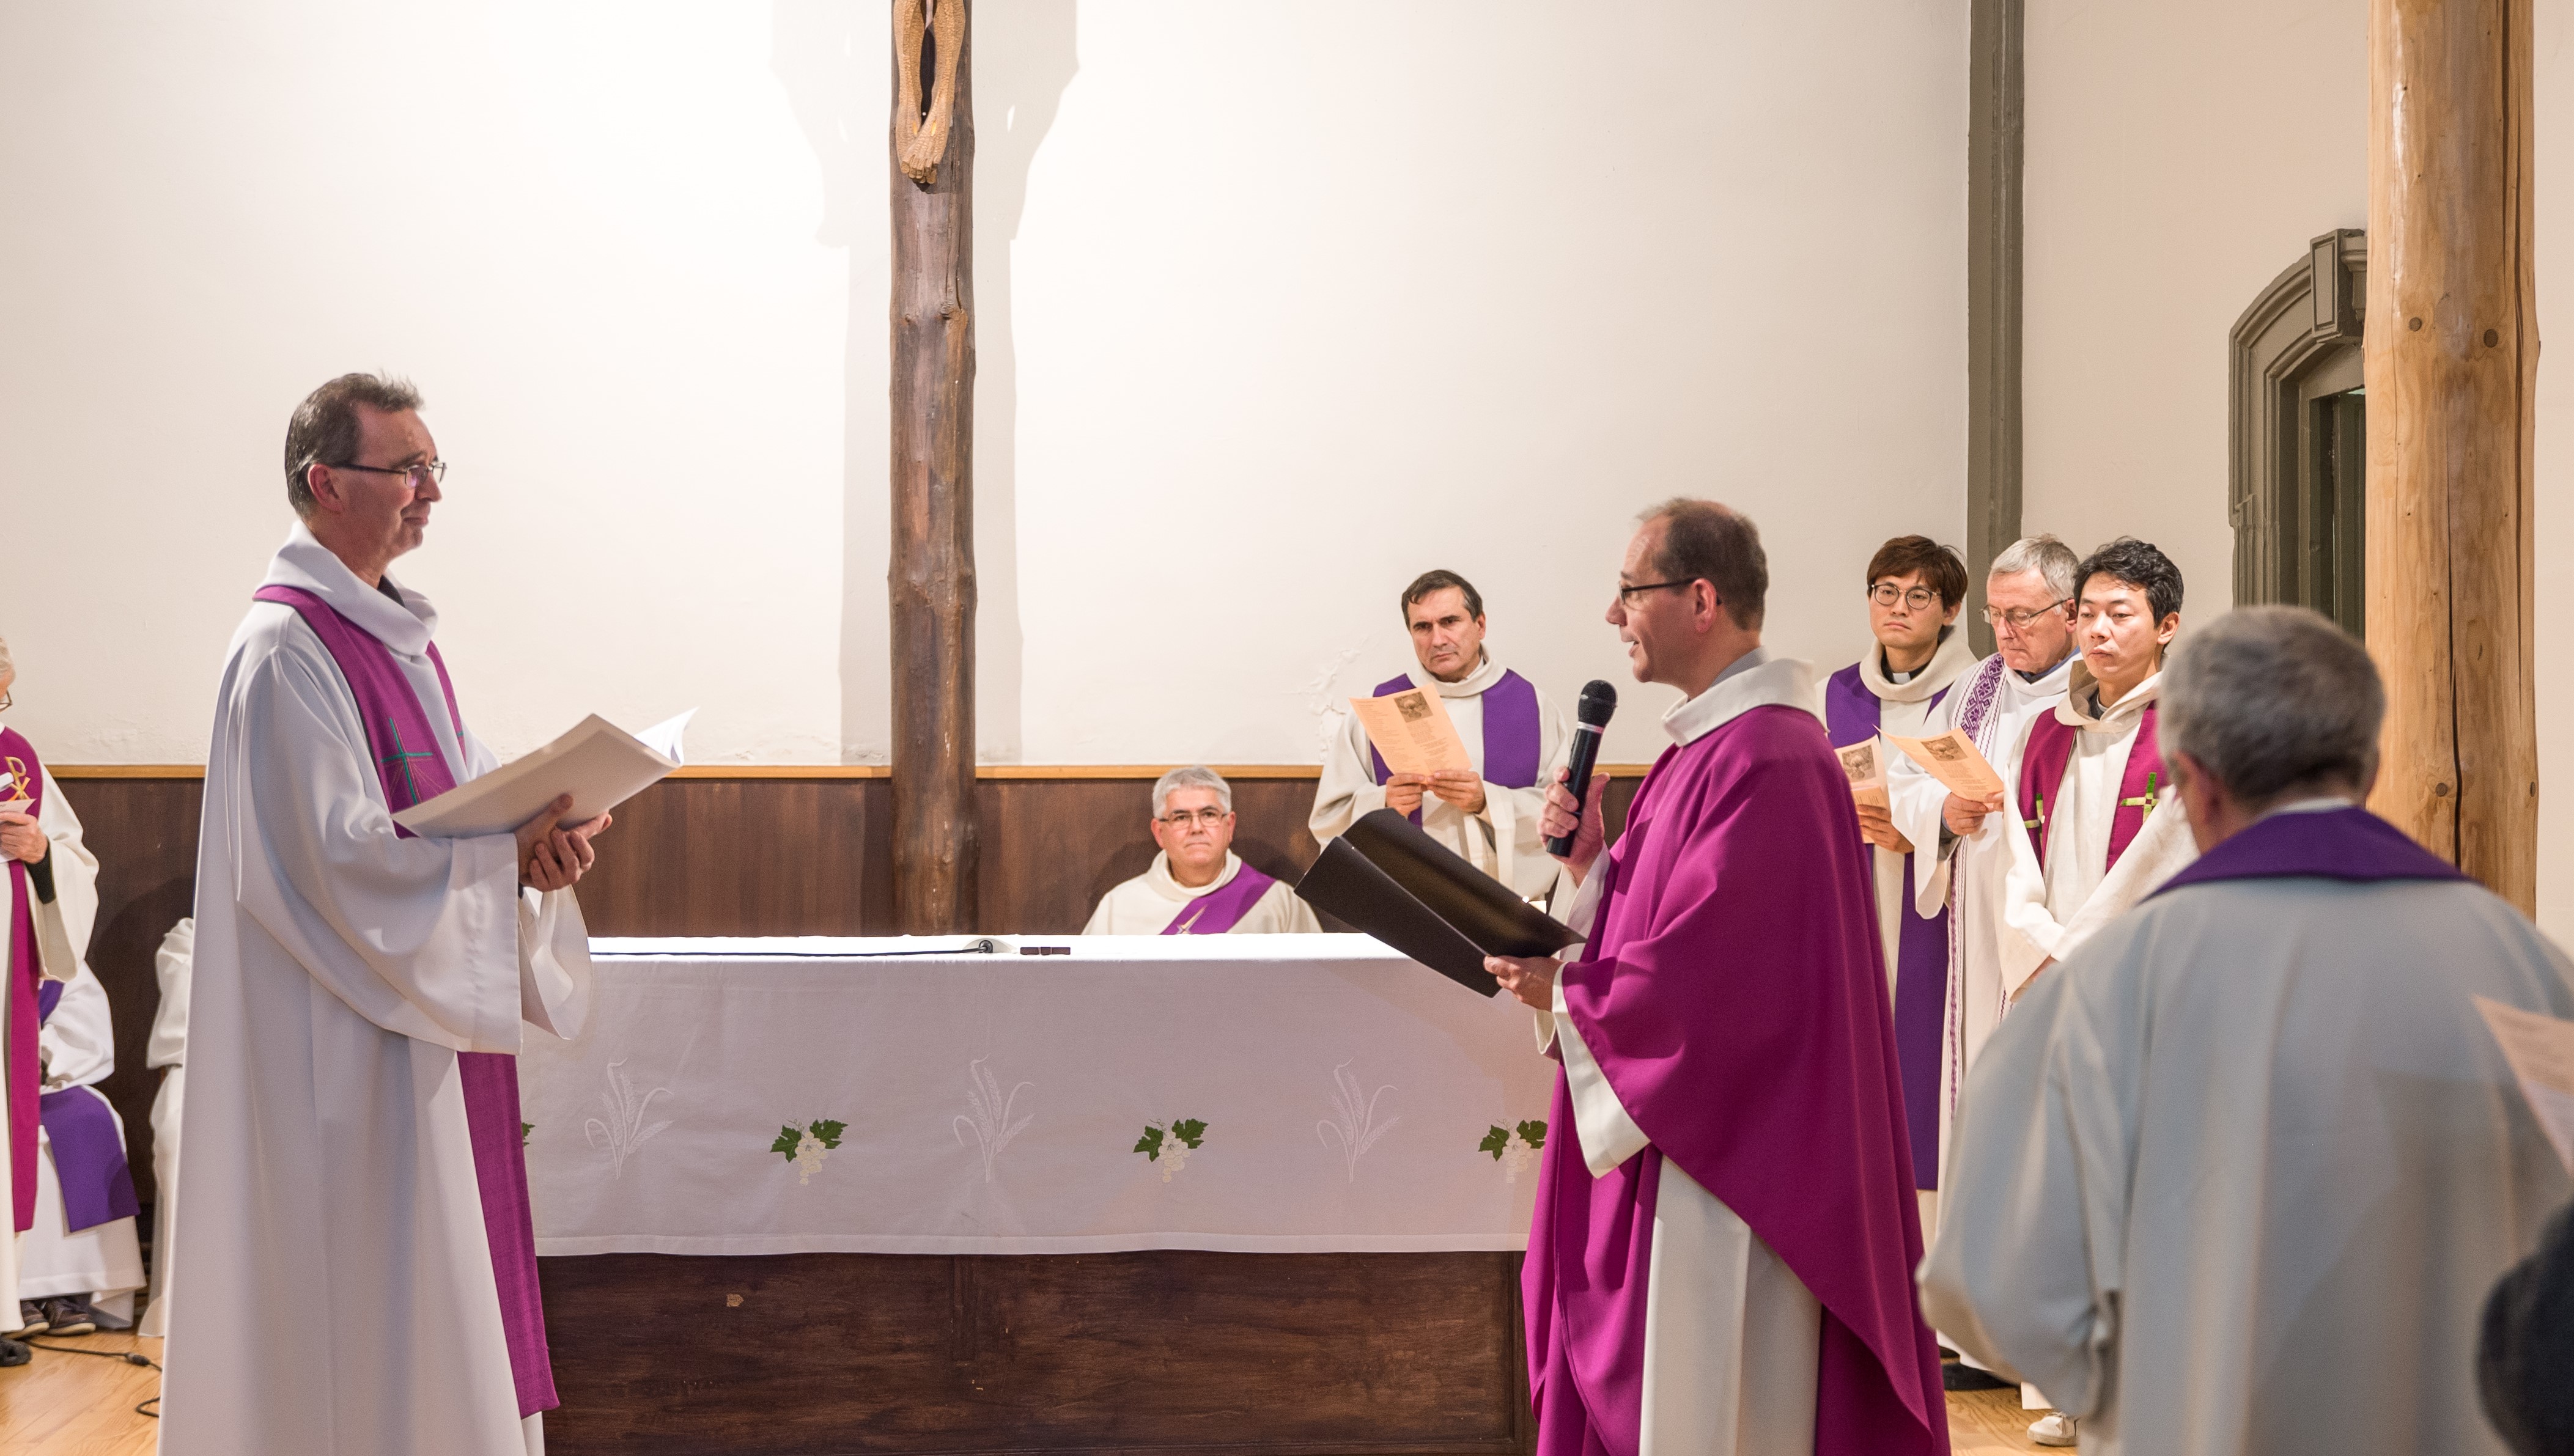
pixel 1512 735
pixel 2348 845
pixel 25 970
pixel 89 1152
pixel 1852 715
pixel 2042 769
pixel 1219 910
pixel 411 770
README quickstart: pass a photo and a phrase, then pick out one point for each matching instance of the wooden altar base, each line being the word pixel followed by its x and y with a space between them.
pixel 1168 1352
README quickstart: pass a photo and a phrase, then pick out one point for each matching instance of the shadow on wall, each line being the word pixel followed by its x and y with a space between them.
pixel 832 56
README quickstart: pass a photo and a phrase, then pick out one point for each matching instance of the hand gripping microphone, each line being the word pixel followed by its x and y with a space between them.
pixel 1598 700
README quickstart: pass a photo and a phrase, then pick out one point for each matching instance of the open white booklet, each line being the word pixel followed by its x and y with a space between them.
pixel 598 764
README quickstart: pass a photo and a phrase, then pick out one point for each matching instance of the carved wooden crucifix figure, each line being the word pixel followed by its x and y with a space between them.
pixel 931 575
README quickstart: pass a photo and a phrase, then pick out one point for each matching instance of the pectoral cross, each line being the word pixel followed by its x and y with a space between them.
pixel 400 758
pixel 2143 801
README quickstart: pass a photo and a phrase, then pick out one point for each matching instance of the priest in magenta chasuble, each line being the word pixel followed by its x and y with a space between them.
pixel 1727 1042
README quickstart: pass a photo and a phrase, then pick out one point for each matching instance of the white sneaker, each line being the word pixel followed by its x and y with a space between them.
pixel 2055 1428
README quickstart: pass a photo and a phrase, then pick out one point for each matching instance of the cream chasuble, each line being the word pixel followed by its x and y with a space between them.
pixel 75 874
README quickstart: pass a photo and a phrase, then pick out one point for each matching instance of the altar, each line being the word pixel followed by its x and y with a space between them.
pixel 1133 1193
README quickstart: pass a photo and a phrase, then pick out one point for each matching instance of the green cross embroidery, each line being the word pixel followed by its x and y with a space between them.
pixel 2145 800
pixel 2040 821
pixel 400 758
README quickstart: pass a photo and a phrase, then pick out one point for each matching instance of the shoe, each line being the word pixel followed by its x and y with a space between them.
pixel 31 1321
pixel 14 1353
pixel 70 1315
pixel 1957 1376
pixel 2055 1428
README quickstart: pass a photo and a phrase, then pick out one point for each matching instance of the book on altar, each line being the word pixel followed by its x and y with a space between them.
pixel 1867 773
pixel 1388 879
pixel 598 764
pixel 2541 1052
pixel 1412 732
pixel 1955 761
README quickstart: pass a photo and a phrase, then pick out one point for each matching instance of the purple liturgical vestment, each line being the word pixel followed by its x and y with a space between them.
pixel 24 971
pixel 1514 739
pixel 1851 714
pixel 89 1152
pixel 412 769
pixel 1734 995
pixel 1220 911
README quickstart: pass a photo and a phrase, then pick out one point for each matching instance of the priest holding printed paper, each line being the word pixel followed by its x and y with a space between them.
pixel 355 1268
pixel 2235 1178
pixel 1723 1252
pixel 1915 654
pixel 1462 744
pixel 1197 885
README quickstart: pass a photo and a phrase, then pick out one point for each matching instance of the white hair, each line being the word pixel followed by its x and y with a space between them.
pixel 6 667
pixel 2053 560
pixel 1194 777
pixel 2273 700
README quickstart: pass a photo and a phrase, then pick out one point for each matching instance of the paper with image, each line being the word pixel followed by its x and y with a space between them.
pixel 1867 773
pixel 2541 1052
pixel 1412 732
pixel 1955 761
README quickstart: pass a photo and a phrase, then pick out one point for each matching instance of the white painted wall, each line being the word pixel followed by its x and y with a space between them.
pixel 2180 156
pixel 1280 303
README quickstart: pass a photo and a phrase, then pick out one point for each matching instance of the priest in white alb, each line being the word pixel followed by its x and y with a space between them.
pixel 1915 656
pixel 1197 885
pixel 354 1268
pixel 2235 1177
pixel 1515 738
pixel 2028 601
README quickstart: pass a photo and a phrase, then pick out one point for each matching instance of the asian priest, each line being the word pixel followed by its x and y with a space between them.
pixel 2235 1177
pixel 1514 733
pixel 354 1268
pixel 1197 885
pixel 1721 1259
pixel 1915 654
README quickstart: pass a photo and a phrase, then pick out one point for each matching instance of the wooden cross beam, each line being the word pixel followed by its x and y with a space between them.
pixel 931 576
pixel 2451 362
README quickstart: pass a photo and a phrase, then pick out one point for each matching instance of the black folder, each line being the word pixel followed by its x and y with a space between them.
pixel 1386 878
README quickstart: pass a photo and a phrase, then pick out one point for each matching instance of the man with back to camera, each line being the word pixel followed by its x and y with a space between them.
pixel 1514 733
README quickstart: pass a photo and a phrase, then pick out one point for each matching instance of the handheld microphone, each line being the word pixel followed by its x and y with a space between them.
pixel 1598 700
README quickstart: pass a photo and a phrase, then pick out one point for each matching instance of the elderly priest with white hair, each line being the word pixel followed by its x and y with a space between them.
pixel 1197 885
pixel 355 1266
pixel 2235 1177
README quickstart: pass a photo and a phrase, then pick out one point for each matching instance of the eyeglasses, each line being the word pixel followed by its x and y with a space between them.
pixel 416 475
pixel 2019 622
pixel 1919 598
pixel 1626 594
pixel 1180 818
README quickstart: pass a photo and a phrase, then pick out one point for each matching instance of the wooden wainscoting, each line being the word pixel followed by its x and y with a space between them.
pixel 1169 1352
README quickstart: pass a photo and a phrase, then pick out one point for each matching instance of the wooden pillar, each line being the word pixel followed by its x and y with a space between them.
pixel 2451 359
pixel 931 576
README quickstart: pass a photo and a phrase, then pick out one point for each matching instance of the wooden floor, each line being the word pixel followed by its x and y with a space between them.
pixel 78 1405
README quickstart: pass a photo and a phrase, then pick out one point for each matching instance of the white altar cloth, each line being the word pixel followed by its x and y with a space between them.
pixel 991 1103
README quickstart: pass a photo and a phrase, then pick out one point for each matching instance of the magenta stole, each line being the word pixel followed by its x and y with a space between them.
pixel 26 1079
pixel 411 769
pixel 1219 910
pixel 1734 998
pixel 2041 772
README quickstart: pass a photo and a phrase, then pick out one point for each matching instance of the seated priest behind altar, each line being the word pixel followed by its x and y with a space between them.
pixel 1197 884
pixel 1514 734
